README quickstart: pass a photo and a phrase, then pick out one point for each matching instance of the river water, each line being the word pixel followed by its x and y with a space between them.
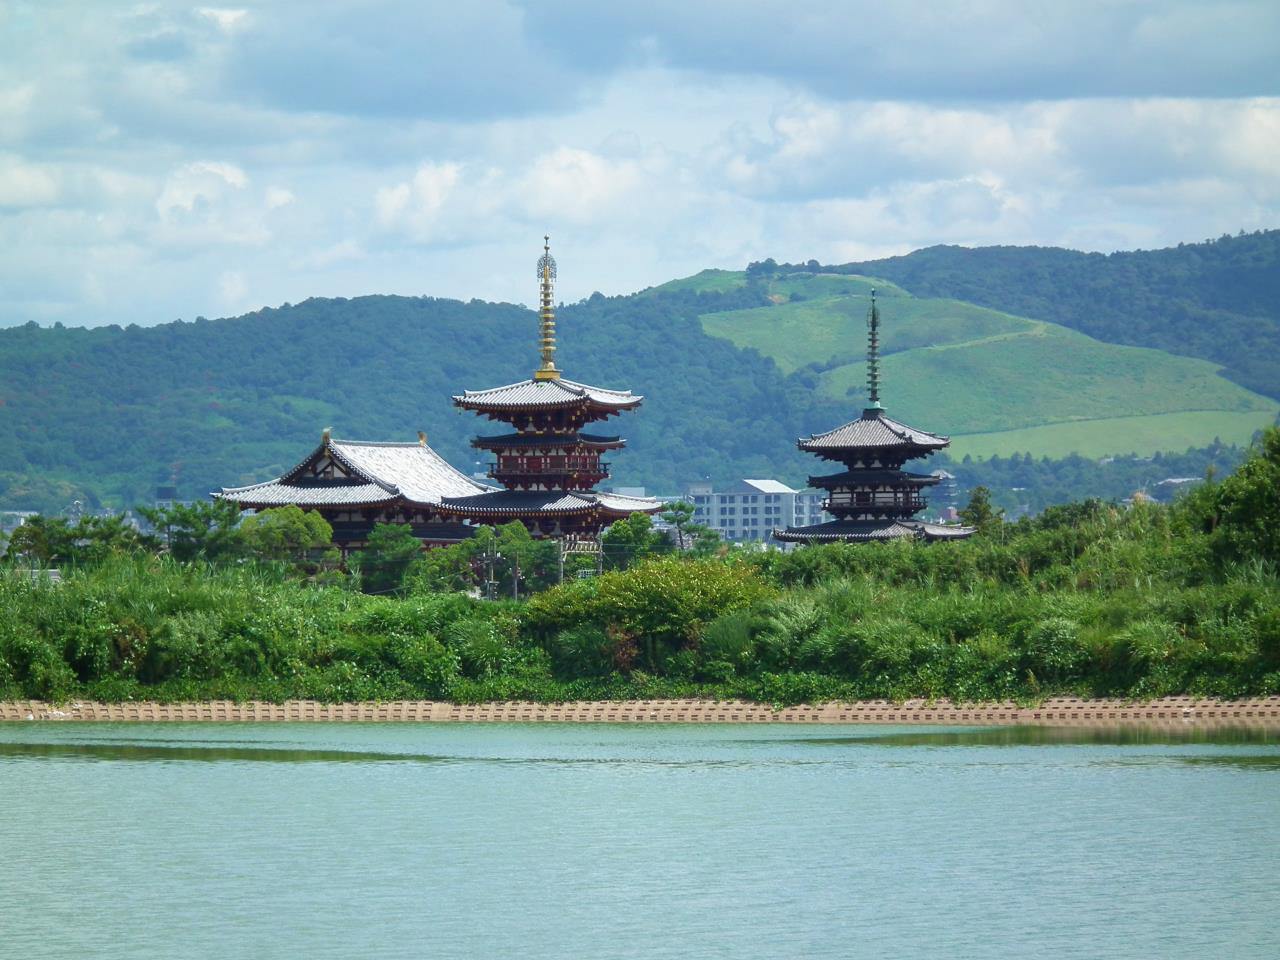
pixel 595 841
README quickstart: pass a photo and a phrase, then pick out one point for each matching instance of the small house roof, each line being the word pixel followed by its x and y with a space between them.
pixel 768 486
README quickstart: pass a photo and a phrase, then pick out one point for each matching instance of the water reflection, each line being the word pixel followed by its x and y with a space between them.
pixel 134 750
pixel 1018 736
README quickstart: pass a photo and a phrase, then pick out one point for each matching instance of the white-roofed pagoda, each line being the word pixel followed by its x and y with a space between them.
pixel 873 498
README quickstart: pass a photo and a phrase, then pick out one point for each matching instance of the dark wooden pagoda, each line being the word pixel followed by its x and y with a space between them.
pixel 548 466
pixel 873 498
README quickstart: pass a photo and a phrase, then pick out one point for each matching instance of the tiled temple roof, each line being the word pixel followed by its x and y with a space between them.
pixel 379 473
pixel 873 430
pixel 864 530
pixel 273 493
pixel 512 503
pixel 546 394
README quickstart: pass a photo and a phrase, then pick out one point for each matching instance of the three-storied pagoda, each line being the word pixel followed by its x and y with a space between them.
pixel 873 498
pixel 548 466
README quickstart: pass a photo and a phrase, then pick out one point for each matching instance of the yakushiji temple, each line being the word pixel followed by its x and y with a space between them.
pixel 873 498
pixel 547 467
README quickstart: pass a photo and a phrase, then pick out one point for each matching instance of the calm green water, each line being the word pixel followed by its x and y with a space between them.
pixel 573 841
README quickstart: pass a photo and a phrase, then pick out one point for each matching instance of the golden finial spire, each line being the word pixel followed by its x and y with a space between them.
pixel 873 353
pixel 547 314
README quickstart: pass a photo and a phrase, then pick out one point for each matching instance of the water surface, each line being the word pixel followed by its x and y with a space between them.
pixel 603 841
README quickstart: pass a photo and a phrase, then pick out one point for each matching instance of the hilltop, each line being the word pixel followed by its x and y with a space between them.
pixel 997 383
pixel 734 365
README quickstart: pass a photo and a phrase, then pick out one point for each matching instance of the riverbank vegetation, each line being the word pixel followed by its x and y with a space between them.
pixel 1090 598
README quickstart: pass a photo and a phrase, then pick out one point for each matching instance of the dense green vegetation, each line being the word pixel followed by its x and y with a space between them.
pixel 1088 598
pixel 734 367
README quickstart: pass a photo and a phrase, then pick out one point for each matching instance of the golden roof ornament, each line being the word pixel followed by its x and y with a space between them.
pixel 547 314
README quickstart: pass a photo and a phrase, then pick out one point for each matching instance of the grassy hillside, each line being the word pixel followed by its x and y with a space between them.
pixel 1218 300
pixel 1009 383
pixel 1103 438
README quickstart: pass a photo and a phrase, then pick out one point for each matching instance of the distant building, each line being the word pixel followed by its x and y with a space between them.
pixel 11 520
pixel 749 510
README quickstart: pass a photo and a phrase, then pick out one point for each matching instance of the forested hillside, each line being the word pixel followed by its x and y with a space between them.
pixel 1219 299
pixel 106 414
pixel 734 366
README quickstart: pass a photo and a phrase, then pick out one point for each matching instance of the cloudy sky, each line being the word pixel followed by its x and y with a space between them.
pixel 162 160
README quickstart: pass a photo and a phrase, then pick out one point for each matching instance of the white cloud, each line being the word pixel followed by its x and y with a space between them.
pixel 233 288
pixel 415 207
pixel 279 197
pixel 198 185
pixel 25 184
pixel 578 186
pixel 225 19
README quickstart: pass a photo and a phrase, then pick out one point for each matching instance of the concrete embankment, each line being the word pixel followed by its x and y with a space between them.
pixel 1057 712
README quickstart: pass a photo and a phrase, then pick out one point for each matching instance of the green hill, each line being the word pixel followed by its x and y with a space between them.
pixel 997 383
pixel 1218 300
pixel 734 365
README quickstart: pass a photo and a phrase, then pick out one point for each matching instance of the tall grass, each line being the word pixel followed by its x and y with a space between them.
pixel 1091 600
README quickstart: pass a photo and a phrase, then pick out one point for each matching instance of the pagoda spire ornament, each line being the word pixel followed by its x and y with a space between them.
pixel 873 354
pixel 547 313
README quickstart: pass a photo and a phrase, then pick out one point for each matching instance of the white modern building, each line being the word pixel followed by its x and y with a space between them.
pixel 750 510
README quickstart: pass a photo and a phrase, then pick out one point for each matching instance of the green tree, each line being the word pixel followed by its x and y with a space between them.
pixel 629 541
pixel 389 552
pixel 43 540
pixel 979 513
pixel 449 569
pixel 679 513
pixel 204 530
pixel 94 539
pixel 289 535
pixel 527 564
pixel 1247 504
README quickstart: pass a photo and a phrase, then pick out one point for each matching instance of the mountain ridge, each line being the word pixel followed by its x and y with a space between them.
pixel 105 414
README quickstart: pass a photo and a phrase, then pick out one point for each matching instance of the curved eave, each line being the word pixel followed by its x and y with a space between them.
pixel 539 395
pixel 615 505
pixel 268 495
pixel 861 531
pixel 581 403
pixel 837 450
pixel 833 532
pixel 517 512
pixel 853 478
pixel 547 441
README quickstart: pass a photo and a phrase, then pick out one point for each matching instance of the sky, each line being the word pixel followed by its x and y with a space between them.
pixel 162 160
